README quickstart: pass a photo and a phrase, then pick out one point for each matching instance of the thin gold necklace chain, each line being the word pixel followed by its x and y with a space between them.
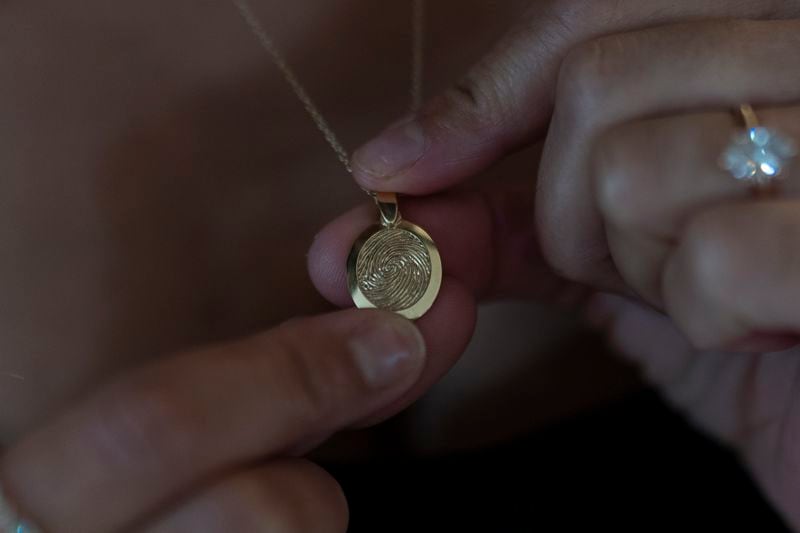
pixel 417 71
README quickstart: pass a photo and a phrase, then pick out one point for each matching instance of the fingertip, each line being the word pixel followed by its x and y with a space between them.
pixel 390 155
pixel 327 276
pixel 447 329
pixel 327 258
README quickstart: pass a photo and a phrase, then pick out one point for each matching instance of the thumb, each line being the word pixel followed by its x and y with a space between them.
pixel 507 98
pixel 503 102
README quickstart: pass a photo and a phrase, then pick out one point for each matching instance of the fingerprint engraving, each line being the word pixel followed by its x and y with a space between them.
pixel 393 269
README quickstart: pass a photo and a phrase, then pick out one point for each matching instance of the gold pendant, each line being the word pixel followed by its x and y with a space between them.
pixel 394 266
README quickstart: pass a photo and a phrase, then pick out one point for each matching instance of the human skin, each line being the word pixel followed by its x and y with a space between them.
pixel 161 185
pixel 183 184
pixel 637 101
pixel 160 189
pixel 100 328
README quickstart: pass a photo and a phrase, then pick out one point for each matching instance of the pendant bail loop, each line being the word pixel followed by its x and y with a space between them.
pixel 387 206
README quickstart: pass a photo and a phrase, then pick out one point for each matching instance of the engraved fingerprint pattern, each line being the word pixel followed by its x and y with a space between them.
pixel 393 269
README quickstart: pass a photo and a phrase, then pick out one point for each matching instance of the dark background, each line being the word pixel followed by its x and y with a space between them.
pixel 634 465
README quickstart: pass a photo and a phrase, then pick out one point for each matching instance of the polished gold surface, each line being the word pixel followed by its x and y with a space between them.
pixel 749 116
pixel 393 269
pixel 394 266
pixel 396 269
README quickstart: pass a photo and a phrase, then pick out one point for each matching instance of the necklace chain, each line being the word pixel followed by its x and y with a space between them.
pixel 417 71
pixel 418 24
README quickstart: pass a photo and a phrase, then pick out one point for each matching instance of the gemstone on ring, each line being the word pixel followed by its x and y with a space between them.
pixel 758 155
pixel 24 527
pixel 10 522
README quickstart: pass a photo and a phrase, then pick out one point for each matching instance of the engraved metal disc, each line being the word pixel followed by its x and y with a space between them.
pixel 395 268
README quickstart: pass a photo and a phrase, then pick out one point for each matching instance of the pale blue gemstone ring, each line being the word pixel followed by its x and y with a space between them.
pixel 10 521
pixel 757 155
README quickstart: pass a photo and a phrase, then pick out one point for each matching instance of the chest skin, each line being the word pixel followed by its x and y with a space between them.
pixel 159 182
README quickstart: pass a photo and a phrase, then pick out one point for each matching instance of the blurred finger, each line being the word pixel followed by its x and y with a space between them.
pixel 651 176
pixel 733 281
pixel 280 497
pixel 625 77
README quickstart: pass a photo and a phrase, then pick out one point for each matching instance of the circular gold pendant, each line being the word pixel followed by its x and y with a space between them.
pixel 395 267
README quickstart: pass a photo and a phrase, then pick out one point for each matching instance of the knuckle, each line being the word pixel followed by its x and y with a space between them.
pixel 728 255
pixel 709 254
pixel 478 101
pixel 142 422
pixel 617 177
pixel 703 277
pixel 585 77
pixel 592 72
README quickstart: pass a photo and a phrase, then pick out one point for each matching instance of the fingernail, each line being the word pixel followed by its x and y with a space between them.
pixel 388 352
pixel 397 149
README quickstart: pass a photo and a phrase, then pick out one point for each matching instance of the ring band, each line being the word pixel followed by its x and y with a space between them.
pixel 757 154
pixel 10 521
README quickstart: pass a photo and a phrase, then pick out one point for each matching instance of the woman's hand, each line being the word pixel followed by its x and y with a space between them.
pixel 638 97
pixel 204 441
